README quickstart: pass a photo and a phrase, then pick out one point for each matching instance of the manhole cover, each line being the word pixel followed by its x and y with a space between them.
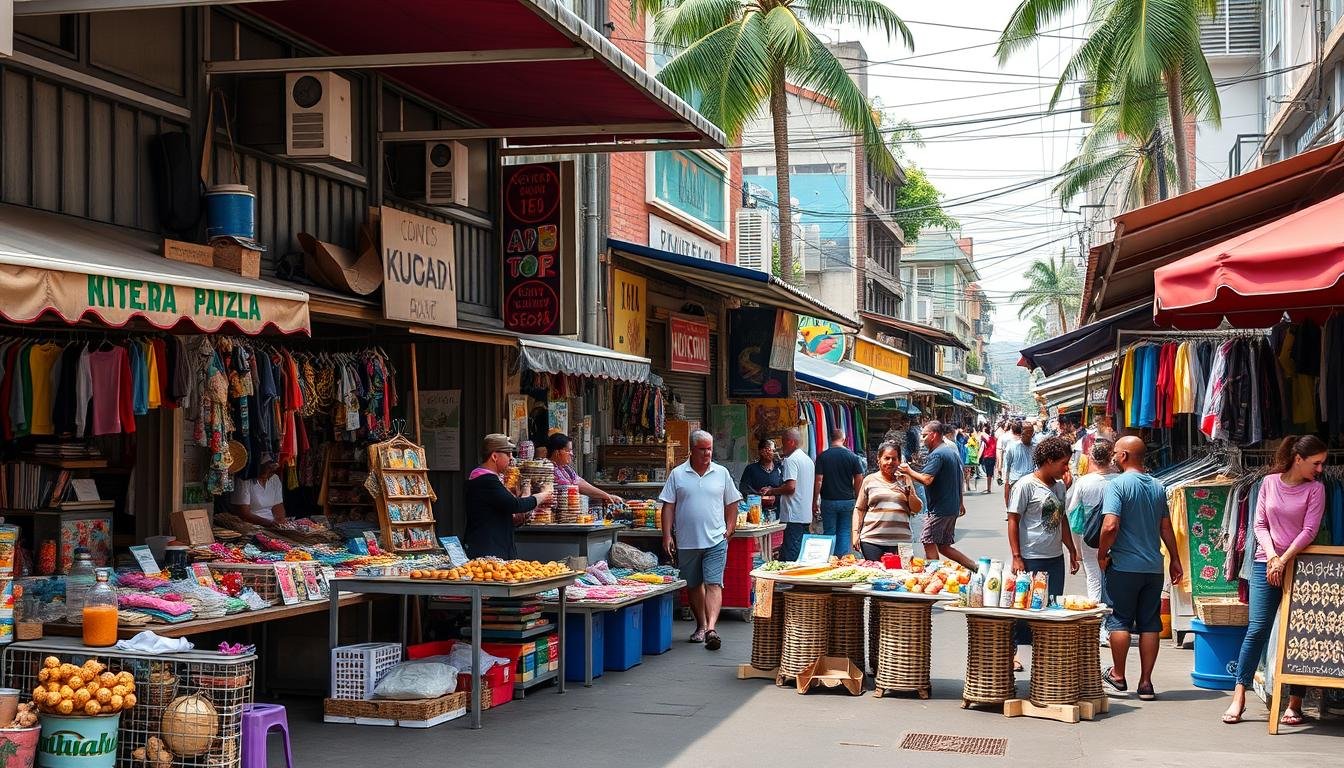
pixel 964 745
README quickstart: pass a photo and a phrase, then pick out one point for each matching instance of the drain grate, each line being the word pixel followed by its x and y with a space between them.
pixel 963 745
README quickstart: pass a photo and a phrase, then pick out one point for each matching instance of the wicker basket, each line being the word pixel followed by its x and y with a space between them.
pixel 1055 662
pixel 989 661
pixel 767 637
pixel 160 691
pixel 874 620
pixel 261 578
pixel 1222 611
pixel 807 629
pixel 905 638
pixel 1089 655
pixel 847 628
pixel 380 709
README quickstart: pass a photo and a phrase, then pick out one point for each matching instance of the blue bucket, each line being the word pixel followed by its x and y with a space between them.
pixel 230 211
pixel 1216 651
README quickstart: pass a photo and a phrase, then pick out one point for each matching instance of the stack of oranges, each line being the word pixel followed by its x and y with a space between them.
pixel 493 570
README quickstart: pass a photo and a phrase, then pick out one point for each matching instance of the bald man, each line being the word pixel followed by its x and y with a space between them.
pixel 1135 525
pixel 799 501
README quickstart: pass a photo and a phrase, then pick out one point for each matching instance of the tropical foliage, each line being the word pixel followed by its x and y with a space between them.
pixel 738 56
pixel 1110 159
pixel 919 204
pixel 1052 286
pixel 1037 332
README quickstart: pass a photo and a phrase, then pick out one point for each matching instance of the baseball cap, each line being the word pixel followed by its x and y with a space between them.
pixel 497 442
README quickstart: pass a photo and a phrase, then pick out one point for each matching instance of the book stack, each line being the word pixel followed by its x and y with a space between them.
pixel 66 451
pixel 512 616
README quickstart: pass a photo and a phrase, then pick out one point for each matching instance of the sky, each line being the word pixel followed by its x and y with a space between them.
pixel 952 76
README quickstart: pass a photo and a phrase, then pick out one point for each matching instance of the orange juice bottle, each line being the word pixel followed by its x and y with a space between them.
pixel 100 613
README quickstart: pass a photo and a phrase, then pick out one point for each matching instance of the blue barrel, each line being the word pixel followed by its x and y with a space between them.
pixel 1216 651
pixel 230 211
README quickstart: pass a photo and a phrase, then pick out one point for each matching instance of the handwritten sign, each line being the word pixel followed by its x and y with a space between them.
pixel 419 269
pixel 1310 649
pixel 628 299
pixel 881 357
pixel 687 345
pixel 533 229
pixel 441 428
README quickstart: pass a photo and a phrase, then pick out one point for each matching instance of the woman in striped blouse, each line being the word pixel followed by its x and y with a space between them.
pixel 886 502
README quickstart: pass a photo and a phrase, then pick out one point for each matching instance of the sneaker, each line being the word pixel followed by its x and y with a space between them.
pixel 712 640
pixel 1119 685
pixel 698 636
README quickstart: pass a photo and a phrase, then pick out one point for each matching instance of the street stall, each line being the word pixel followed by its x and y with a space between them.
pixel 555 541
pixel 635 620
pixel 747 542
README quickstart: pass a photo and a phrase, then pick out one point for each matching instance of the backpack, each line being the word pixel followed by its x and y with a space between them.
pixel 1092 527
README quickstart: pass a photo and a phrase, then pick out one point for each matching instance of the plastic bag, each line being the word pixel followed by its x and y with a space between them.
pixel 420 679
pixel 460 657
pixel 625 556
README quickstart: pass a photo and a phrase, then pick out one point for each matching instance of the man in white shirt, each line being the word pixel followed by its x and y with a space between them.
pixel 1003 435
pixel 699 515
pixel 262 499
pixel 799 496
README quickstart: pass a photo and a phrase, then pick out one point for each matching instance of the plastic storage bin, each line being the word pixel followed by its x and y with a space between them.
pixel 624 637
pixel 737 591
pixel 574 647
pixel 357 669
pixel 1216 650
pixel 658 624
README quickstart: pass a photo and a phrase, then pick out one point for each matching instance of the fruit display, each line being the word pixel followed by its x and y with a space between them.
pixel 934 577
pixel 1076 602
pixel 494 570
pixel 66 689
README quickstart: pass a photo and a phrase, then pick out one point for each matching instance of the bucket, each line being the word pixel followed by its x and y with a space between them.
pixel 78 742
pixel 230 211
pixel 18 746
pixel 1216 651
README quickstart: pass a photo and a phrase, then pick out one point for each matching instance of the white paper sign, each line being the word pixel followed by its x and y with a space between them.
pixel 86 490
pixel 146 559
pixel 816 550
pixel 441 428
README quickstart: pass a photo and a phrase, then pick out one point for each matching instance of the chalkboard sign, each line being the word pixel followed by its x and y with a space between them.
pixel 1311 625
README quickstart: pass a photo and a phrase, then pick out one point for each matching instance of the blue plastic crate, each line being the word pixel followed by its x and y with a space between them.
pixel 574 646
pixel 624 637
pixel 658 624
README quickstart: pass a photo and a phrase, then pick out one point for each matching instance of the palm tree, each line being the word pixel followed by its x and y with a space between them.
pixel 1128 162
pixel 737 56
pixel 1037 332
pixel 1051 285
pixel 1135 48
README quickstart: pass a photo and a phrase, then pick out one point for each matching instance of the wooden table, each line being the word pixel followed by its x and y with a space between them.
pixel 1058 679
pixel 587 608
pixel 202 626
pixel 476 590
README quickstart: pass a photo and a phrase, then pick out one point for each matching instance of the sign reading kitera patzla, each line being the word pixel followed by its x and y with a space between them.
pixel 419 269
pixel 533 230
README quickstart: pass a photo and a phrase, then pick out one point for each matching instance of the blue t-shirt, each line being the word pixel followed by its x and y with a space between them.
pixel 1017 461
pixel 1141 503
pixel 1146 386
pixel 944 463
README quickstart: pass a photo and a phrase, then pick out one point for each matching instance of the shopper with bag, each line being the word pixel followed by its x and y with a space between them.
pixel 1084 505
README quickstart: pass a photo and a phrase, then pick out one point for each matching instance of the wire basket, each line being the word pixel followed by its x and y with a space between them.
pixel 204 731
pixel 357 669
pixel 261 578
pixel 1223 611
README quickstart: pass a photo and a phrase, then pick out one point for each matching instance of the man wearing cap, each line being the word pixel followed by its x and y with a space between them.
pixel 493 512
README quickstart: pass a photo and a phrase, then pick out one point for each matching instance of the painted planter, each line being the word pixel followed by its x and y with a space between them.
pixel 18 746
pixel 78 742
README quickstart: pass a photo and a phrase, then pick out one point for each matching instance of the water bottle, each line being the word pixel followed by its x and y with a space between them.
pixel 77 584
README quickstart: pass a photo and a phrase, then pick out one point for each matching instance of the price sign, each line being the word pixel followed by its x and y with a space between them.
pixel 533 229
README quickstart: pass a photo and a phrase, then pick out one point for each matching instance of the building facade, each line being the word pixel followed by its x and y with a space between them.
pixel 940 272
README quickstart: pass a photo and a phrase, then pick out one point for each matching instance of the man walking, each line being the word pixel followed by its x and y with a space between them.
pixel 839 475
pixel 1003 437
pixel 1017 461
pixel 941 479
pixel 699 514
pixel 798 497
pixel 1135 525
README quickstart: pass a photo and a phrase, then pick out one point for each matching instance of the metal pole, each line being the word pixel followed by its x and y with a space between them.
pixel 415 394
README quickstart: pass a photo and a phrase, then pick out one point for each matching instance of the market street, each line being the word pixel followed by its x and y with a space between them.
pixel 686 708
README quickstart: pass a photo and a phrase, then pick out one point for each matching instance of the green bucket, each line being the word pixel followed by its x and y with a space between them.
pixel 78 742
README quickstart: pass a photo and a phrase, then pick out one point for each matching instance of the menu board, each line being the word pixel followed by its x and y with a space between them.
pixel 1205 510
pixel 533 229
pixel 1310 649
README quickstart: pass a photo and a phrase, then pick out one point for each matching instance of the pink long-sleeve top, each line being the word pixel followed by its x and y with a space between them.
pixel 1287 515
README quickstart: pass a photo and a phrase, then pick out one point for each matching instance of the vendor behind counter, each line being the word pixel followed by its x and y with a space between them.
pixel 560 450
pixel 492 511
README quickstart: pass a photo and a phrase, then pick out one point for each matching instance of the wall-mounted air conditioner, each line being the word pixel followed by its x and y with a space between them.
pixel 318 116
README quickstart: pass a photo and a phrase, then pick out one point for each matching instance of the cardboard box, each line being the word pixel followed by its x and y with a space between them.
pixel 189 253
pixel 832 672
pixel 193 527
pixel 238 259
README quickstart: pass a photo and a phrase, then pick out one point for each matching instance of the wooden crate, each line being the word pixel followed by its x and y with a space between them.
pixel 418 713
pixel 237 259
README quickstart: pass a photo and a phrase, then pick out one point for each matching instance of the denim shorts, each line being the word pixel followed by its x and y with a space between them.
pixel 703 566
pixel 1135 600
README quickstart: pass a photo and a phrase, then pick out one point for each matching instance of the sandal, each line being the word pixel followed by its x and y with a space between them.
pixel 1231 719
pixel 712 640
pixel 1146 693
pixel 1292 718
pixel 698 636
pixel 1017 666
pixel 1119 685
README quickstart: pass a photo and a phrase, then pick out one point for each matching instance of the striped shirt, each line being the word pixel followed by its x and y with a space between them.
pixel 886 510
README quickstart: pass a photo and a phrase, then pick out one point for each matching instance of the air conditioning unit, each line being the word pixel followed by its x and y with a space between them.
pixel 446 173
pixel 317 116
pixel 755 239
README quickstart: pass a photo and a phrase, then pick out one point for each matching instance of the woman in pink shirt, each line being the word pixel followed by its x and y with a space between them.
pixel 1288 514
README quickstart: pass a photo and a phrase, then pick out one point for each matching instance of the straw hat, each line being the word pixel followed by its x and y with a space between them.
pixel 237 457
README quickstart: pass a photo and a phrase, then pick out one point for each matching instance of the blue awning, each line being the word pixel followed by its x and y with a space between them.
pixel 846 381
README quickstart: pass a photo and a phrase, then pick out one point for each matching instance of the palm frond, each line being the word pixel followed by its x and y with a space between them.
pixel 729 69
pixel 822 72
pixel 680 23
pixel 1026 24
pixel 869 14
pixel 788 36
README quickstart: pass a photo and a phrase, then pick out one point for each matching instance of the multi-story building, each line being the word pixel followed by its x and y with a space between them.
pixel 847 242
pixel 939 272
pixel 1303 64
pixel 1231 41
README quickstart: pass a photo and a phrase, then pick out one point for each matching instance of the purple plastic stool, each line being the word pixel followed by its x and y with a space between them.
pixel 258 720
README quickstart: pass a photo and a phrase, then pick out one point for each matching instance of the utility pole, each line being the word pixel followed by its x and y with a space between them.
pixel 1161 156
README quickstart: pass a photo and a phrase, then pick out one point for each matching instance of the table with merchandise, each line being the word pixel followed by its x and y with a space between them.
pixel 556 541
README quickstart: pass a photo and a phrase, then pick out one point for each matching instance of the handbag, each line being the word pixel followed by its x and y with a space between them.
pixel 1092 527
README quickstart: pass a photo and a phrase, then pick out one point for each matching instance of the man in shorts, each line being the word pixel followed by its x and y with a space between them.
pixel 941 479
pixel 699 515
pixel 1135 525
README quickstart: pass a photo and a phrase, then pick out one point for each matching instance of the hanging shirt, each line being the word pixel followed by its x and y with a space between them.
pixel 1184 395
pixel 139 380
pixel 1129 413
pixel 20 394
pixel 1146 386
pixel 41 359
pixel 1210 424
pixel 83 391
pixel 153 391
pixel 105 369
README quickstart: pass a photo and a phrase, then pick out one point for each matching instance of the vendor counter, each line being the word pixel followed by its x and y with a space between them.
pixel 557 541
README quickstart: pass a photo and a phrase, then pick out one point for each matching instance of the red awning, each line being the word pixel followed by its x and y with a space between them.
pixel 531 66
pixel 1293 265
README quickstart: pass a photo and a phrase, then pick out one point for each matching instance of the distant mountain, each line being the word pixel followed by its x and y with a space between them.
pixel 1012 380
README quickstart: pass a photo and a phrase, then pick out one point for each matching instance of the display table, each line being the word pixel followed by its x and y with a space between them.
pixel 587 608
pixel 557 541
pixel 1065 677
pixel 736 575
pixel 202 626
pixel 904 639
pixel 476 590
pixel 632 490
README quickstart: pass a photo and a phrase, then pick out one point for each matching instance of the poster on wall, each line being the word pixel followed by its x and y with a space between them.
pixel 821 339
pixel 441 428
pixel 783 340
pixel 751 332
pixel 557 417
pixel 732 446
pixel 517 417
pixel 533 228
pixel 770 416
pixel 419 269
pixel 687 345
pixel 628 323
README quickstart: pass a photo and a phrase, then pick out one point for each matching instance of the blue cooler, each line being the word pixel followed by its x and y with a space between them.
pixel 658 624
pixel 1216 651
pixel 625 637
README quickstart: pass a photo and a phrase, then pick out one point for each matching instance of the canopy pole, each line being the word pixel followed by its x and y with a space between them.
pixel 415 394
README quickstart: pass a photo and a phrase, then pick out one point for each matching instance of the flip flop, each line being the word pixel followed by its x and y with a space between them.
pixel 1230 719
pixel 697 637
pixel 1291 719
pixel 712 640
pixel 1017 666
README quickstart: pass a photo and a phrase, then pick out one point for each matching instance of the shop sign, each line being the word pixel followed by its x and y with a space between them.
pixel 962 396
pixel 533 228
pixel 629 299
pixel 751 336
pixel 880 357
pixel 666 236
pixel 783 341
pixel 691 185
pixel 1098 396
pixel 821 339
pixel 687 345
pixel 419 269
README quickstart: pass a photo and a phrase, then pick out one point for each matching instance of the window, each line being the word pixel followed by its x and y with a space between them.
pixel 924 282
pixel 55 31
pixel 146 46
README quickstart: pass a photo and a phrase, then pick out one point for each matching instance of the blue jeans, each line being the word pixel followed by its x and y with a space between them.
pixel 837 519
pixel 1265 598
pixel 793 541
pixel 1054 568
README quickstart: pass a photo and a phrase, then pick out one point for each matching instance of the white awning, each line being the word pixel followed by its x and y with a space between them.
pixel 846 381
pixel 556 354
pixel 909 385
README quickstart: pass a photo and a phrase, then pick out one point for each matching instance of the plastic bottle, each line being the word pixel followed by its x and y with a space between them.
pixel 977 590
pixel 1007 589
pixel 1022 592
pixel 100 613
pixel 79 581
pixel 1040 591
pixel 993 584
